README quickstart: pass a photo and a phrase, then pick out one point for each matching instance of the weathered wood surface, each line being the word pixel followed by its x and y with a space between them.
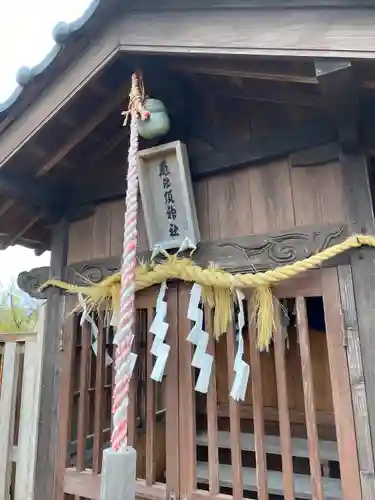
pixel 357 383
pixel 309 397
pixel 63 90
pixel 361 218
pixel 212 422
pixel 227 154
pixel 29 413
pixel 263 147
pixel 48 425
pixel 167 196
pixel 234 418
pixel 343 33
pixel 187 413
pixel 342 403
pixel 250 4
pixel 242 254
pixel 19 408
pixel 258 415
pixel 340 95
pixel 286 444
pixel 66 397
pixel 319 155
pixel 7 416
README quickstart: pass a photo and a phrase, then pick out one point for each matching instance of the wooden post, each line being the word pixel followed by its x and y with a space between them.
pixel 361 219
pixel 118 474
pixel 50 377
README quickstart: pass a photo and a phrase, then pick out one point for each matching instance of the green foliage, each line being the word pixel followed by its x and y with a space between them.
pixel 16 315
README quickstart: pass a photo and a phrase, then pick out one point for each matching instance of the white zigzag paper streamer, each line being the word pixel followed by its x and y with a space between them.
pixel 159 328
pixel 199 337
pixel 94 330
pixel 241 368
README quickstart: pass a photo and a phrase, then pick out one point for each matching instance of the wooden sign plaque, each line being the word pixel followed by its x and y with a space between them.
pixel 167 196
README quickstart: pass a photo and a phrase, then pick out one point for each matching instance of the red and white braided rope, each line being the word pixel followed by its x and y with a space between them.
pixel 125 332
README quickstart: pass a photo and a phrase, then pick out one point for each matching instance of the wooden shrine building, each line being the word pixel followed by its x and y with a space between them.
pixel 275 102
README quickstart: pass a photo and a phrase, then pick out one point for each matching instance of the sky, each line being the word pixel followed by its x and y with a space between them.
pixel 25 38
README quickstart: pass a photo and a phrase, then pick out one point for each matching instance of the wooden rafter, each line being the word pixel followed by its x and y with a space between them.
pixel 83 132
pixel 239 69
pixel 265 91
pixel 42 196
pixel 340 95
pixel 14 239
pixel 35 193
pixel 63 91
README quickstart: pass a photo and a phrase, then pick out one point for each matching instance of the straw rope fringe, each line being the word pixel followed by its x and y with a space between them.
pixel 218 286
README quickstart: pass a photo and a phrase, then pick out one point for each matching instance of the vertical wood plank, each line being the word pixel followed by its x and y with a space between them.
pixel 7 415
pixel 27 438
pixel 99 399
pixel 172 395
pixel 229 205
pixel 213 450
pixel 360 216
pixel 271 197
pixel 283 405
pixel 216 202
pixel 83 404
pixel 101 231
pixel 187 424
pixel 48 424
pixel 117 212
pixel 134 381
pixel 318 194
pixel 258 411
pixel 142 245
pixel 80 240
pixel 150 406
pixel 202 206
pixel 66 398
pixel 234 420
pixel 356 376
pixel 308 391
pixel 342 403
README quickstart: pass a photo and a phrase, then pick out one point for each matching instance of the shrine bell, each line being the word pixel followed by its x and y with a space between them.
pixel 158 123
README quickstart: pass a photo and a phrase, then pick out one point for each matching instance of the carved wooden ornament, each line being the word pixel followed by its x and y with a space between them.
pixel 167 196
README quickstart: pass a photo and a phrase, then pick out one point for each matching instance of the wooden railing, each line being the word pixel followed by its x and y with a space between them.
pixel 20 361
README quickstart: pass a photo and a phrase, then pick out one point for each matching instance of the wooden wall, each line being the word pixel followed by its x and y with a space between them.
pixel 253 200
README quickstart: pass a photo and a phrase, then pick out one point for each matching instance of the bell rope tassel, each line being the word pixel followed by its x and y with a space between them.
pixel 264 316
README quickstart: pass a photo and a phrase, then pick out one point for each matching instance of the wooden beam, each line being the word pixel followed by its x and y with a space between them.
pixel 357 383
pixel 66 87
pixel 83 131
pixel 13 240
pixel 252 4
pixel 242 254
pixel 31 192
pixel 319 155
pixel 225 155
pixel 339 91
pixel 339 33
pixel 296 94
pixel 7 205
pixel 48 424
pixel 244 68
pixel 263 148
pixel 360 215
